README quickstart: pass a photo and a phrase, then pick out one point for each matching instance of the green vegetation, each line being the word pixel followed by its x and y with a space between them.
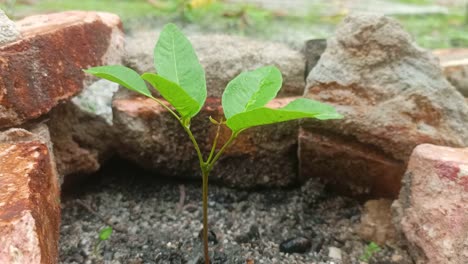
pixel 104 235
pixel 417 2
pixel 181 82
pixel 370 250
pixel 437 31
pixel 429 30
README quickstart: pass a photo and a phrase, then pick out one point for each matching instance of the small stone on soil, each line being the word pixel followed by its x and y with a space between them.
pixel 295 245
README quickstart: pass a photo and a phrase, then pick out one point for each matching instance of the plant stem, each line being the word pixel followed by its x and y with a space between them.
pixel 206 167
pixel 195 145
pixel 205 175
pixel 215 142
pixel 223 148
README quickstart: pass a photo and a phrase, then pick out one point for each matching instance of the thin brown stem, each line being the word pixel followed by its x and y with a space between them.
pixel 102 218
pixel 205 216
pixel 215 142
pixel 195 144
pixel 223 148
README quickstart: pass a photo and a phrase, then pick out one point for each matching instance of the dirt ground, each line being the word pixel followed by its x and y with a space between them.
pixel 159 221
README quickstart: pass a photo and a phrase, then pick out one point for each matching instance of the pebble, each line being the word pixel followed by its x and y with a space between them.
pixel 295 245
pixel 211 236
pixel 252 235
pixel 334 253
pixel 263 224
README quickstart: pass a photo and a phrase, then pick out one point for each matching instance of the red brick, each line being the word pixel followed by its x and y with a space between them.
pixel 260 156
pixel 432 209
pixel 349 166
pixel 29 204
pixel 454 62
pixel 45 66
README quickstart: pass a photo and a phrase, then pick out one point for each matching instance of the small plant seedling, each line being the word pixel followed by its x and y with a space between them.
pixel 370 250
pixel 180 80
pixel 104 235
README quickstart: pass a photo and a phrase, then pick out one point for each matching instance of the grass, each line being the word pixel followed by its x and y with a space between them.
pixel 437 31
pixel 124 8
pixel 430 31
pixel 418 2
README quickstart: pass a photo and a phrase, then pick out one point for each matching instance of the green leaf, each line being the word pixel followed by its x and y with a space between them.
pixel 105 233
pixel 175 60
pixel 251 90
pixel 174 94
pixel 297 109
pixel 124 76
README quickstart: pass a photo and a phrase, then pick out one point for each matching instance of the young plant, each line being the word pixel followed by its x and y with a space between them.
pixel 180 80
pixel 369 251
pixel 104 235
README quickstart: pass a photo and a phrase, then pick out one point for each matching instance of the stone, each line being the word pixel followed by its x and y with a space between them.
pixel 152 138
pixel 224 57
pixel 82 140
pixel 8 30
pixel 376 222
pixel 252 235
pixel 393 96
pixel 295 245
pixel 29 201
pixel 96 99
pixel 44 67
pixel 454 62
pixel 432 209
pixel 313 51
pixel 334 253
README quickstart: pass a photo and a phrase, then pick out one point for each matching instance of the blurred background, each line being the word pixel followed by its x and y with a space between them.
pixel 433 23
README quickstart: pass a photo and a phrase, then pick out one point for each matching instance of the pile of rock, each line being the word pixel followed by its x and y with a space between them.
pixel 41 62
pixel 394 97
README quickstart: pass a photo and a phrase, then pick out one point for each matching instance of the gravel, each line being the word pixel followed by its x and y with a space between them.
pixel 151 225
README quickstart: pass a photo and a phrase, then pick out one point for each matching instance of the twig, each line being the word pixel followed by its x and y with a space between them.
pixel 103 219
pixel 180 205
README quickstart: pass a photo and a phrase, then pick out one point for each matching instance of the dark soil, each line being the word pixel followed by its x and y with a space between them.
pixel 151 225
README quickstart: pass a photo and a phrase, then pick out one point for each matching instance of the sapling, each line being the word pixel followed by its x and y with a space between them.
pixel 370 250
pixel 180 80
pixel 104 235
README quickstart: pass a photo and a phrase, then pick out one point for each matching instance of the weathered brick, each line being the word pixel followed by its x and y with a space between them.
pixel 29 203
pixel 45 66
pixel 260 156
pixel 432 209
pixel 454 62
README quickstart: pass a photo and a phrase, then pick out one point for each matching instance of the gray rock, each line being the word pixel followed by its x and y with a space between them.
pixel 313 50
pixel 393 96
pixel 97 99
pixel 82 140
pixel 8 30
pixel 224 57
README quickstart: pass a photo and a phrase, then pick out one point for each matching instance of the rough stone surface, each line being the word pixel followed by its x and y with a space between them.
pixel 432 209
pixel 82 131
pixel 97 99
pixel 29 201
pixel 393 96
pixel 82 140
pixel 45 66
pixel 313 50
pixel 455 65
pixel 376 222
pixel 224 57
pixel 8 30
pixel 151 137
